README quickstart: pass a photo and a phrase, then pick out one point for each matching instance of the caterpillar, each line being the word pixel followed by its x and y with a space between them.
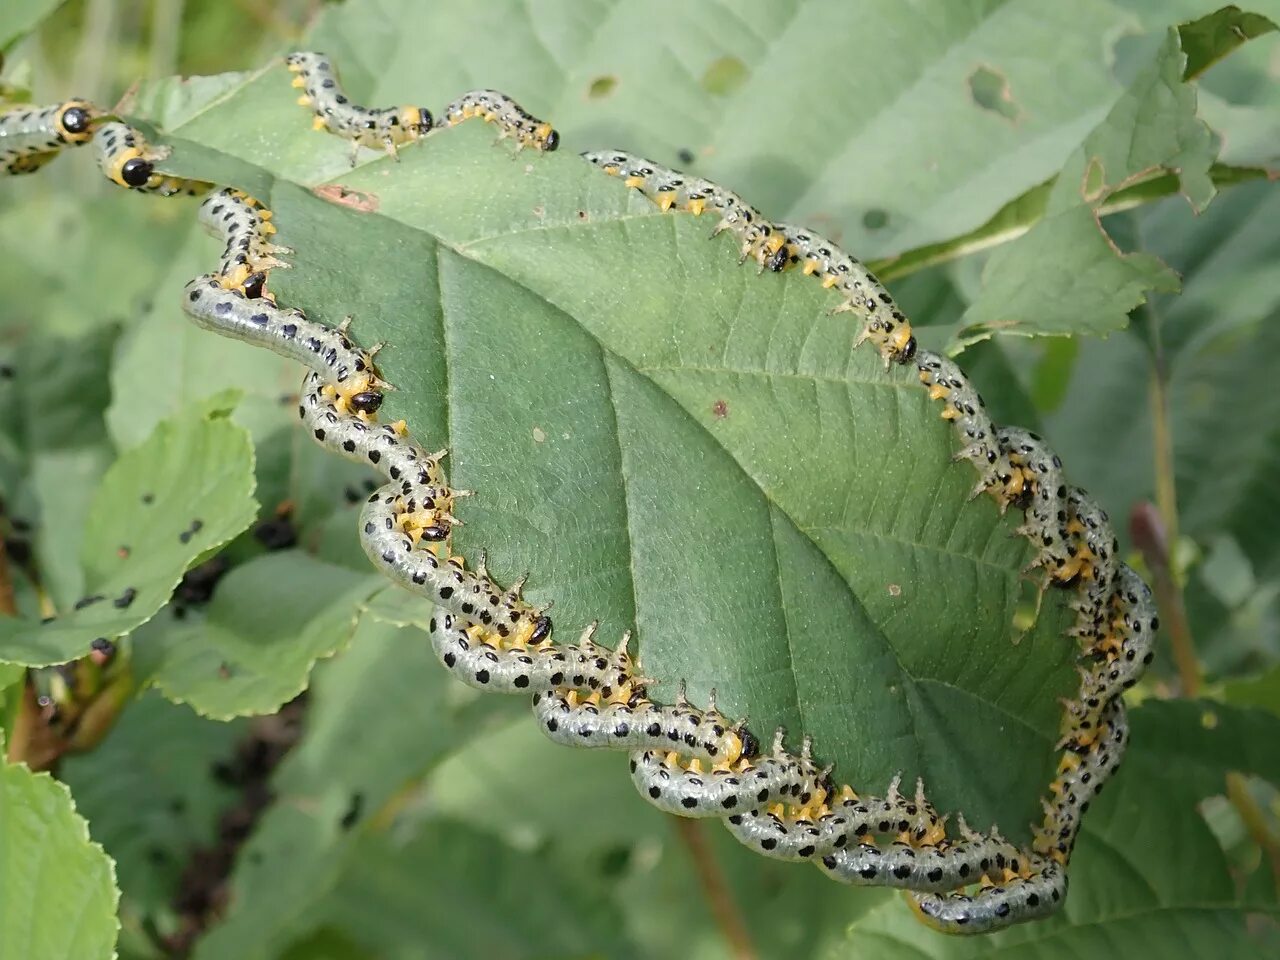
pixel 512 119
pixel 686 760
pixel 129 161
pixel 245 227
pixel 388 128
pixel 821 830
pixel 773 246
pixel 32 136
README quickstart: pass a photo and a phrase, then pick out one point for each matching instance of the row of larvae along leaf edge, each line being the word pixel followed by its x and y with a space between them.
pixel 688 761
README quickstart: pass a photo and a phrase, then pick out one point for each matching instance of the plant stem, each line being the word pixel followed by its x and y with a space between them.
pixel 1148 532
pixel 728 916
pixel 1255 820
pixel 166 36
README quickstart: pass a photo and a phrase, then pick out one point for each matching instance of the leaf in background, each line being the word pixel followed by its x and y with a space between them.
pixel 380 717
pixel 19 19
pixel 1212 37
pixel 1066 275
pixel 270 620
pixel 152 794
pixel 57 887
pixel 186 490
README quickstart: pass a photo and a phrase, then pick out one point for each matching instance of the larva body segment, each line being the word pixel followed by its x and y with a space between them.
pixel 486 665
pixel 245 228
pixel 779 777
pixel 512 120
pixel 631 722
pixel 926 869
pixel 32 136
pixel 1045 523
pixel 127 160
pixel 816 832
pixel 1014 901
pixel 1082 772
pixel 964 407
pixel 377 128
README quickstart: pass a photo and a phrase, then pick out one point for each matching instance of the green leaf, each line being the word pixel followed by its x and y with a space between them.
pixel 186 490
pixel 380 717
pixel 270 620
pixel 774 510
pixel 1262 691
pixel 1212 37
pixel 57 887
pixel 19 19
pixel 1066 275
pixel 152 793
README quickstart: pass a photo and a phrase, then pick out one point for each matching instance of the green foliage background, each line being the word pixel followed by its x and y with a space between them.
pixel 667 442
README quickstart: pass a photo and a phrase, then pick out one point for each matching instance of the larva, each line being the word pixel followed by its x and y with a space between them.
pixel 129 161
pixel 886 326
pixel 772 245
pixel 667 188
pixel 244 225
pixel 527 668
pixel 1082 773
pixel 965 408
pixel 213 306
pixel 929 869
pixel 689 791
pixel 1098 549
pixel 32 136
pixel 1045 522
pixel 1014 901
pixel 512 119
pixel 386 128
pixel 627 721
pixel 814 833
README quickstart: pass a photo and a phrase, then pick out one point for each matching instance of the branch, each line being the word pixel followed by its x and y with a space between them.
pixel 728 916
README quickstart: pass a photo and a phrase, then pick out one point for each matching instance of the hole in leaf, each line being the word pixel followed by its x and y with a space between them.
pixel 990 91
pixel 725 75
pixel 601 87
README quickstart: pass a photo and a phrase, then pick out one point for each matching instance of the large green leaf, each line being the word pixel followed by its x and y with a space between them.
pixel 777 513
pixel 57 887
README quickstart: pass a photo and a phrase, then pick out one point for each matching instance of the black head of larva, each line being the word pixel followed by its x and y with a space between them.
pixel 253 284
pixel 551 141
pixel 750 744
pixel 436 532
pixel 136 172
pixel 367 401
pixel 908 351
pixel 425 122
pixel 541 630
pixel 778 260
pixel 75 120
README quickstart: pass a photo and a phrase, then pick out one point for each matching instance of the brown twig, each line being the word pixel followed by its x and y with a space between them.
pixel 1255 821
pixel 723 907
pixel 1148 532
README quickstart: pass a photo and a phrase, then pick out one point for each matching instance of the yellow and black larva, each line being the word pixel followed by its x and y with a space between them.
pixel 512 120
pixel 685 760
pixel 386 128
pixel 32 136
pixel 773 245
pixel 244 225
pixel 129 161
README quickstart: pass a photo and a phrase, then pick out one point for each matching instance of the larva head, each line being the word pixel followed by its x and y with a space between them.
pixel 131 169
pixel 546 137
pixel 904 344
pixel 368 402
pixel 75 118
pixel 253 284
pixel 416 121
pixel 750 744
